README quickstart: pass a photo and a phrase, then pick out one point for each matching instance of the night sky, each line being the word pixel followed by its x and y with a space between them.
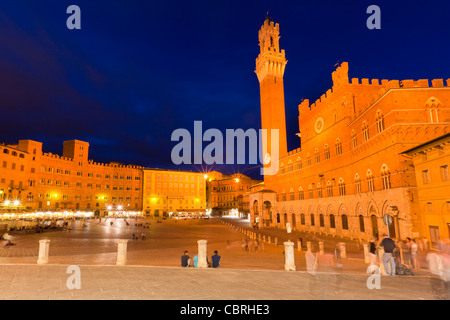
pixel 137 70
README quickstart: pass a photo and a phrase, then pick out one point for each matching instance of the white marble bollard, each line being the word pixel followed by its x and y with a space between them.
pixel 308 246
pixel 276 241
pixel 202 262
pixel 121 252
pixel 321 250
pixel 366 253
pixel 44 246
pixel 343 250
pixel 268 239
pixel 289 261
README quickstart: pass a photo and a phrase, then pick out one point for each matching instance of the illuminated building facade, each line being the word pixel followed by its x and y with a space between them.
pixel 170 191
pixel 431 163
pixel 349 171
pixel 33 180
pixel 230 193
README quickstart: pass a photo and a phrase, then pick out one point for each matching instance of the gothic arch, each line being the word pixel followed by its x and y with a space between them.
pixel 343 210
pixel 330 210
pixel 360 211
pixel 375 207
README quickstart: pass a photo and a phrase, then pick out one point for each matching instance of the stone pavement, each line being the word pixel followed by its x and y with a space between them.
pixel 153 272
pixel 49 282
pixel 354 248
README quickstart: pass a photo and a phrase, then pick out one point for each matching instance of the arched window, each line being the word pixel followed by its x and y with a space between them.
pixel 322 221
pixel 283 195
pixel 344 222
pixel 357 184
pixel 310 189
pixel 317 155
pixel 431 106
pixel 319 191
pixel 386 177
pixel 380 121
pixel 301 195
pixel 299 163
pixel 327 152
pixel 338 147
pixel 21 155
pixel 329 189
pixel 361 223
pixel 341 187
pixel 370 181
pixel 14 153
pixel 302 219
pixel 282 168
pixel 365 130
pixel 6 151
pixel 308 159
pixel 332 221
pixel 354 139
pixel 312 219
pixel 291 194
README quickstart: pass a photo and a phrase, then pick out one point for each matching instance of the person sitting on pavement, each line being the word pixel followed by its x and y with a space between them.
pixel 185 260
pixel 215 259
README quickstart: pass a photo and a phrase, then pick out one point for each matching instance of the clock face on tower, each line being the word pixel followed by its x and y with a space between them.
pixel 318 126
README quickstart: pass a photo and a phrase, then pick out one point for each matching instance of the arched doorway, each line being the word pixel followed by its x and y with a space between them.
pixel 294 223
pixel 255 216
pixel 374 222
pixel 267 213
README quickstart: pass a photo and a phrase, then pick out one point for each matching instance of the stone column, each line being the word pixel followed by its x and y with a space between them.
pixel 202 263
pixel 122 252
pixel 44 246
pixel 321 248
pixel 308 246
pixel 342 249
pixel 366 253
pixel 289 261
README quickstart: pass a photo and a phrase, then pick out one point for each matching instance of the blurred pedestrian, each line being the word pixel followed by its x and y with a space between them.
pixel 389 245
pixel 372 257
pixel 195 261
pixel 414 252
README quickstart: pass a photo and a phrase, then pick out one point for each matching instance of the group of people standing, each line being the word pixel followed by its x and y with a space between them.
pixel 248 245
pixel 401 257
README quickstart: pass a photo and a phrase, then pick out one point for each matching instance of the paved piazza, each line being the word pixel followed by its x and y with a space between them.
pixel 153 272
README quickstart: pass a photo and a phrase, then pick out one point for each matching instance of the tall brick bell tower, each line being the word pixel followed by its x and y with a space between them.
pixel 270 66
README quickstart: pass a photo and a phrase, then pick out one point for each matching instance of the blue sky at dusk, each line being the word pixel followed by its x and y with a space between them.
pixel 138 70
